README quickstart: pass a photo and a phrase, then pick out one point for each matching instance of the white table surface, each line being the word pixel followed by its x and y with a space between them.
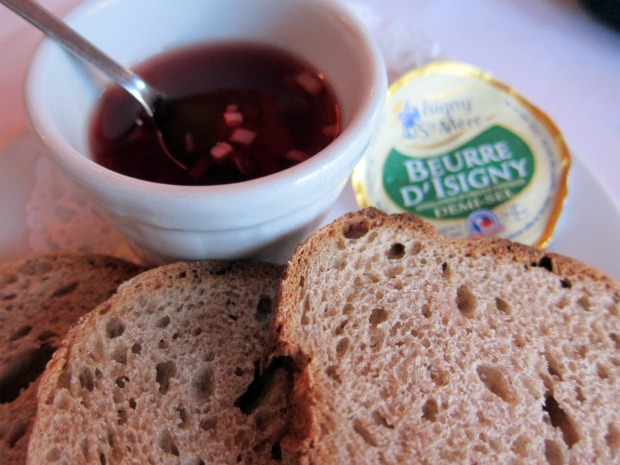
pixel 551 51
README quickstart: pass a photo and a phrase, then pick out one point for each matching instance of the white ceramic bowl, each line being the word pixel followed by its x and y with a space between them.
pixel 262 218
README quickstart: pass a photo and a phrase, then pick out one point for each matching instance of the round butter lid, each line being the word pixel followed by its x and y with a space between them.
pixel 468 154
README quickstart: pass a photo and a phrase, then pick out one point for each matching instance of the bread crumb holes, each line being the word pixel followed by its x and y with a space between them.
pixel 446 271
pixel 65 290
pixel 603 372
pixel 430 409
pixel 612 439
pixel 380 420
pixel 163 322
pixel 554 453
pixel 561 420
pixel 208 423
pixel 416 248
pixel 114 328
pixel 466 301
pixel 263 308
pixel 585 303
pixel 396 251
pixel 360 428
pixel 53 455
pixel 167 443
pixel 87 381
pixel 356 230
pixel 342 347
pixel 21 332
pixel 203 383
pixel 378 315
pixel 332 372
pixel 553 367
pixel 119 354
pixel 496 382
pixel 520 446
pixel 426 310
pixel 164 372
pixel 503 306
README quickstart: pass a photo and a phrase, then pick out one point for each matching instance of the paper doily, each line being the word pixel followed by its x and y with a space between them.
pixel 61 217
pixel 402 47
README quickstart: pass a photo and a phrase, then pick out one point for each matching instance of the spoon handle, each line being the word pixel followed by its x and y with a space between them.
pixel 52 26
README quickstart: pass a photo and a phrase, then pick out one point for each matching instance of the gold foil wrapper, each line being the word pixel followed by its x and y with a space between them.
pixel 468 154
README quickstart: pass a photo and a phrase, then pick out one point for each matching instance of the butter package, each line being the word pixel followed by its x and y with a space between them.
pixel 468 154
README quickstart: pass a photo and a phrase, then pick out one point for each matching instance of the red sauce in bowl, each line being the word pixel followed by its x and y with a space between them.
pixel 256 110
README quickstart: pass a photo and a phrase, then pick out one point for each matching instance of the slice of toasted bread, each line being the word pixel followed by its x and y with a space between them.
pixel 411 348
pixel 41 297
pixel 164 372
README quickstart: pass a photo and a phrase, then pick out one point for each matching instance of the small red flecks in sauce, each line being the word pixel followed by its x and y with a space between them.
pixel 255 110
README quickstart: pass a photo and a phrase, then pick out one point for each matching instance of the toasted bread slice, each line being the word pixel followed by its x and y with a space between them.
pixel 164 372
pixel 412 348
pixel 41 297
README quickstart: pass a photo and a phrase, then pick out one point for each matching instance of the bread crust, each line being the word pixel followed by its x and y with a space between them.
pixel 157 373
pixel 41 297
pixel 316 435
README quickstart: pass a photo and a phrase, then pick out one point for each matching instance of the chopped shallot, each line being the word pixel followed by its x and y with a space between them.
pixel 296 156
pixel 242 136
pixel 233 118
pixel 309 82
pixel 221 151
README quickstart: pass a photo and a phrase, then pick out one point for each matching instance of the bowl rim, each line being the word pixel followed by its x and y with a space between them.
pixel 368 112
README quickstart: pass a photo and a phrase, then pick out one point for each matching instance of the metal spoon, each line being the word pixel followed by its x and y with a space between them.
pixel 153 102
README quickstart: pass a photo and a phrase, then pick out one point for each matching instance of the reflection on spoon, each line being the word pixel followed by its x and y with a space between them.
pixel 153 102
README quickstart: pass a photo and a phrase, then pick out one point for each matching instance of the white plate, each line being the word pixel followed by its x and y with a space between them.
pixel 590 223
